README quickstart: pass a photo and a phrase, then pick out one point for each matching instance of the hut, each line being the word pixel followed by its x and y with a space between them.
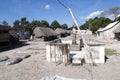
pixel 111 31
pixel 68 32
pixel 4 35
pixel 117 32
pixel 44 33
pixel 14 38
pixel 86 32
pixel 7 36
pixel 62 32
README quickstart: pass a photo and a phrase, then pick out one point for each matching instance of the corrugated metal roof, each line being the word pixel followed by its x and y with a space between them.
pixel 117 29
pixel 108 26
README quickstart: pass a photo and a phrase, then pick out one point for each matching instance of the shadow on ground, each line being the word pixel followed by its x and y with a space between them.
pixel 13 46
pixel 106 58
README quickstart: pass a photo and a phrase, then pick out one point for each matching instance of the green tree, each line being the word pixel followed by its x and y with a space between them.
pixel 55 24
pixel 35 23
pixel 70 28
pixel 95 24
pixel 64 26
pixel 24 24
pixel 44 23
pixel 16 25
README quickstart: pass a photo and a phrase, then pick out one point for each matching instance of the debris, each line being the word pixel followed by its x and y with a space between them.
pixel 3 58
pixel 13 61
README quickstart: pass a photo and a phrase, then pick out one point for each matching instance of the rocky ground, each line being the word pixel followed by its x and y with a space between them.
pixel 36 66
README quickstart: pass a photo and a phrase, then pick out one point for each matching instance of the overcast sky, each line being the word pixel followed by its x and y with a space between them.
pixel 50 10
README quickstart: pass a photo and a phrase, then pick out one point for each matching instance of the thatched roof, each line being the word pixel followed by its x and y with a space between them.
pixel 61 31
pixel 3 27
pixel 43 31
pixel 68 31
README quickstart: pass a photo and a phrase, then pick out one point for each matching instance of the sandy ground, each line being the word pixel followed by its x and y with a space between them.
pixel 36 66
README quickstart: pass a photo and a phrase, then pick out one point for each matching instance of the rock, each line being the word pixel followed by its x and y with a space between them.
pixel 13 61
pixel 3 58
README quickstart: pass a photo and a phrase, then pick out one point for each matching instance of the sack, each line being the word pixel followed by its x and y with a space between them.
pixel 23 56
pixel 13 61
pixel 3 58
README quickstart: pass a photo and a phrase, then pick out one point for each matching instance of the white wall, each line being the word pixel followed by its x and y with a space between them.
pixel 98 54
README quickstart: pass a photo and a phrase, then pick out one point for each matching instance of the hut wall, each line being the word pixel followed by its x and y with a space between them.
pixel 97 52
pixel 4 33
pixel 4 37
pixel 107 34
pixel 57 52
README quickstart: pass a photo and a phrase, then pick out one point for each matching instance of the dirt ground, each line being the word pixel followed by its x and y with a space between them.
pixel 36 66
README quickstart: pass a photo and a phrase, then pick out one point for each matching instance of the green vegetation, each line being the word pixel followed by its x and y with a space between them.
pixel 96 23
pixel 110 52
pixel 64 26
pixel 55 24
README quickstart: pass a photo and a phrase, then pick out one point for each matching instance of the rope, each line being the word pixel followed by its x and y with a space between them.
pixel 62 4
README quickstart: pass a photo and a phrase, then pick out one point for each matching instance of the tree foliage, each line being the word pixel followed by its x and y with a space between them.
pixel 16 25
pixel 24 24
pixel 55 24
pixel 44 23
pixel 21 25
pixel 35 23
pixel 95 24
pixel 64 26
